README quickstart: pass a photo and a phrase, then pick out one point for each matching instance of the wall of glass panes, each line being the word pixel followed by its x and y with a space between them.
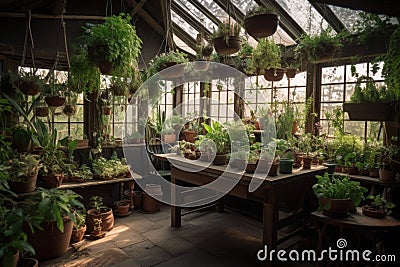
pixel 222 100
pixel 337 86
pixel 260 92
pixel 191 98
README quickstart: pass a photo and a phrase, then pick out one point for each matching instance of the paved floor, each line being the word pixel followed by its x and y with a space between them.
pixel 206 238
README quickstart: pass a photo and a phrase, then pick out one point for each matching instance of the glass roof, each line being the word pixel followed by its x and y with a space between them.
pixel 207 12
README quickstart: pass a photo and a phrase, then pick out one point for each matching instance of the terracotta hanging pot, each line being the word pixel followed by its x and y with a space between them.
pixel 54 101
pixel 69 110
pixel 291 73
pixel 274 74
pixel 227 46
pixel 261 25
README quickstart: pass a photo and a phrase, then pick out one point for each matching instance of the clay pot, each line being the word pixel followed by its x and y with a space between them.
pixel 150 204
pixel 274 75
pixel 261 25
pixel 370 212
pixel 137 199
pixel 106 216
pixel 168 138
pixel 386 174
pixel 273 171
pixel 190 136
pixel 29 88
pixel 77 234
pixel 298 160
pixel 123 206
pixel 291 73
pixel 53 180
pixel 307 162
pixel 54 101
pixel 69 110
pixel 227 46
pixel 42 111
pixel 28 262
pixel 338 207
pixel 27 186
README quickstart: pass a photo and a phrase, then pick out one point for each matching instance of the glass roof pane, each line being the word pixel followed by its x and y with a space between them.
pixel 214 9
pixel 305 15
pixel 183 24
pixel 244 5
pixel 346 15
pixel 197 14
pixel 181 44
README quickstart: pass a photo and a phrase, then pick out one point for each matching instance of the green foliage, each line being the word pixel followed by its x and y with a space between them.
pixel 217 133
pixel 96 202
pixel 392 65
pixel 160 61
pixel 370 26
pixel 370 93
pixel 338 187
pixel 226 29
pixel 284 120
pixel 23 165
pixel 265 56
pixel 53 205
pixel 380 204
pixel 258 10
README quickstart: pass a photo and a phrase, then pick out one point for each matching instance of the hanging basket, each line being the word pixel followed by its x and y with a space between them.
pixel 227 46
pixel 99 55
pixel 54 101
pixel 291 73
pixel 261 25
pixel 42 111
pixel 369 111
pixel 29 88
pixel 274 75
pixel 69 110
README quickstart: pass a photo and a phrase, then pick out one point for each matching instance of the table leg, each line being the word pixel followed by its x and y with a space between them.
pixel 175 210
pixel 270 225
pixel 131 185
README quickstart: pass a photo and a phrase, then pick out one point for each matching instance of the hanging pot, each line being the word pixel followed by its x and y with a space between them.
pixel 42 111
pixel 274 74
pixel 69 110
pixel 291 73
pixel 29 88
pixel 54 101
pixel 261 25
pixel 227 45
pixel 99 54
pixel 106 110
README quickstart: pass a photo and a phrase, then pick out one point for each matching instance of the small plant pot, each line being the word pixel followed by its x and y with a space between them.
pixel 53 180
pixel 107 219
pixel 122 207
pixel 29 88
pixel 219 160
pixel 286 166
pixel 273 171
pixel 168 138
pixel 27 186
pixel 190 136
pixel 137 199
pixel 298 160
pixel 291 73
pixel 339 208
pixel 54 101
pixel 386 175
pixel 374 173
pixel 28 262
pixel 82 143
pixel 307 162
pixel 106 110
pixel 338 168
pixel 370 212
pixel 77 234
pixel 69 110
pixel 331 167
pixel 227 45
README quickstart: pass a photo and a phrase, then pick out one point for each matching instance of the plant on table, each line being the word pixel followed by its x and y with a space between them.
pixel 378 204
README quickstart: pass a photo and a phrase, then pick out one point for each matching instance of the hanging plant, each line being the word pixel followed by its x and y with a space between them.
pixel 165 60
pixel 261 22
pixel 226 39
pixel 267 55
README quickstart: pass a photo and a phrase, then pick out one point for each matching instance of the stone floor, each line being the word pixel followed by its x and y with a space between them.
pixel 206 238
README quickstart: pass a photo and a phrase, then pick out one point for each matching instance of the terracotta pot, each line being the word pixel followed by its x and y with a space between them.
pixel 77 234
pixel 338 207
pixel 53 180
pixel 373 213
pixel 273 171
pixel 261 25
pixel 386 174
pixel 42 111
pixel 50 242
pixel 150 204
pixel 123 207
pixel 29 88
pixel 82 143
pixel 137 199
pixel 291 73
pixel 219 160
pixel 106 110
pixel 227 46
pixel 338 168
pixel 106 216
pixel 27 186
pixel 69 110
pixel 298 160
pixel 168 138
pixel 274 75
pixel 54 101
pixel 190 136
pixel 307 162
pixel 374 173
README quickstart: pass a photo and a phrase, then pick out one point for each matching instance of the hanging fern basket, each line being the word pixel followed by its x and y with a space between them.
pixel 261 25
pixel 227 45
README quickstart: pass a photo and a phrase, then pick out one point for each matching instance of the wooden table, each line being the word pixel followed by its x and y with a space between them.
pixel 284 187
pixel 356 221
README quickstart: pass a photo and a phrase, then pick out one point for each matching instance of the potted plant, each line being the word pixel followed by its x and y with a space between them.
pixel 168 135
pixel 29 83
pixel 378 207
pixel 79 227
pixel 99 211
pixel 261 21
pixel 13 239
pixel 134 138
pixel 119 86
pixel 122 207
pixel 226 39
pixel 54 94
pixel 56 208
pixel 23 173
pixel 266 58
pixel 166 60
pixel 191 130
pixel 113 45
pixel 97 232
pixel 337 194
pixel 219 135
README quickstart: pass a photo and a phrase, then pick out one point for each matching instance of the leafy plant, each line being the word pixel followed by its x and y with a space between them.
pixel 338 187
pixel 53 205
pixel 265 56
pixel 259 9
pixel 392 63
pixel 370 93
pixel 226 29
pixel 378 203
pixel 217 133
pixel 160 61
pixel 22 166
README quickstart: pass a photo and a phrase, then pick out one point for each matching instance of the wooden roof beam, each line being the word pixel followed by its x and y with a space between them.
pixel 205 11
pixel 329 16
pixel 137 7
pixel 287 23
pixel 386 7
pixel 189 19
pixel 184 36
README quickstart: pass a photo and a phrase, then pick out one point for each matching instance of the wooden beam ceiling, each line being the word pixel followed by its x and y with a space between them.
pixel 287 23
pixel 137 7
pixel 184 36
pixel 189 19
pixel 205 11
pixel 329 16
pixel 386 7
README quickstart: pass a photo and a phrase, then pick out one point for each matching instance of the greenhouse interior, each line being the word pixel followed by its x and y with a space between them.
pixel 199 133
